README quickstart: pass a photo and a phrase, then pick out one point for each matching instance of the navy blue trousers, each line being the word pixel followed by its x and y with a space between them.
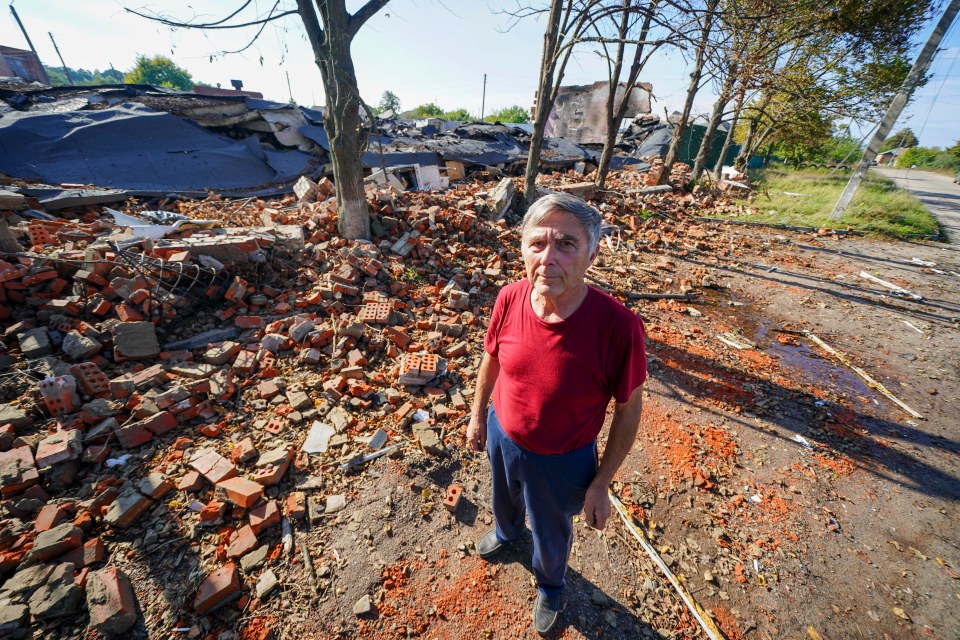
pixel 550 490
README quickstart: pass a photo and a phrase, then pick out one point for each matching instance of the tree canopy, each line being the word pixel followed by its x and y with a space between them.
pixel 388 102
pixel 159 71
pixel 903 138
pixel 514 114
pixel 60 76
pixel 428 110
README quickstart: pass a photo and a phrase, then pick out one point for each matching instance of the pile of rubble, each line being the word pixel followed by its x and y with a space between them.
pixel 205 389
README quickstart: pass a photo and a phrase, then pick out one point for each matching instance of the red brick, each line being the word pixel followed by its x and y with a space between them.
pixel 243 451
pixel 91 379
pixel 59 447
pixel 296 505
pixel 155 485
pixel 160 423
pixel 264 516
pixel 128 313
pixel 246 362
pixel 55 542
pixel 191 482
pixel 50 516
pixel 213 511
pixel 213 467
pixel 133 435
pixel 126 509
pixel 89 554
pixel 219 588
pixel 452 499
pixel 59 394
pixel 249 322
pixel 242 542
pixel 111 601
pixel 241 492
pixel 267 389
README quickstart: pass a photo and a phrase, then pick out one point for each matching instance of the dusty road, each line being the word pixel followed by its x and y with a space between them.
pixel 937 192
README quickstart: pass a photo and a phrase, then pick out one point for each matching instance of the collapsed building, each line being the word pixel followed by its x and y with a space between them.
pixel 133 140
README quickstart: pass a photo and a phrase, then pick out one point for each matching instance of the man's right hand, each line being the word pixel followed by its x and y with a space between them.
pixel 477 432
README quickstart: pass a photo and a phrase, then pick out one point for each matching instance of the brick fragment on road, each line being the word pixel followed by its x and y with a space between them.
pixel 218 589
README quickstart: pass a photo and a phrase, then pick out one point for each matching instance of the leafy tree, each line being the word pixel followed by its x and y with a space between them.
pixel 428 110
pixel 903 138
pixel 81 77
pixel 955 150
pixel 458 115
pixel 515 115
pixel 159 71
pixel 388 102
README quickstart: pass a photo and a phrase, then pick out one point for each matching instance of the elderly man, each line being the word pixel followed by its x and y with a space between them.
pixel 557 350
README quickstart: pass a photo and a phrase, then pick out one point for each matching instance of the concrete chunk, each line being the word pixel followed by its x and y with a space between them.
pixel 135 340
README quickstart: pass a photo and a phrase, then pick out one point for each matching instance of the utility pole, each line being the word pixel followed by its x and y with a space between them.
pixel 919 70
pixel 17 18
pixel 289 90
pixel 43 71
pixel 66 69
pixel 483 100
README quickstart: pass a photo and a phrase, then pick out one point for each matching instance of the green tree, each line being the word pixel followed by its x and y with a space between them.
pixel 513 115
pixel 955 150
pixel 429 110
pixel 458 115
pixel 903 138
pixel 159 71
pixel 81 77
pixel 388 102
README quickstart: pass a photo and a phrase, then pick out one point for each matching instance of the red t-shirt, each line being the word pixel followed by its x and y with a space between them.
pixel 557 378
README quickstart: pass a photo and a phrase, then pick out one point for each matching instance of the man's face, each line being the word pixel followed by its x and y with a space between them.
pixel 556 254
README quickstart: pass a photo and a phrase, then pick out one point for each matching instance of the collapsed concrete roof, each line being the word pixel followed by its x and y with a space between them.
pixel 148 141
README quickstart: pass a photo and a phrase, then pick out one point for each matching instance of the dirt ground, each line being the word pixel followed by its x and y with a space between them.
pixel 792 499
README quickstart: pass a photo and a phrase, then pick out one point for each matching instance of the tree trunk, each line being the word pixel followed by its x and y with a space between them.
pixel 548 65
pixel 692 89
pixel 715 115
pixel 744 156
pixel 734 120
pixel 615 118
pixel 342 120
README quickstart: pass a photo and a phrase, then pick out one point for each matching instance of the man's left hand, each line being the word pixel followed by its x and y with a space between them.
pixel 596 505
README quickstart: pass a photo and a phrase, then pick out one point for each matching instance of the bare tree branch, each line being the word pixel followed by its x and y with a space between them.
pixel 213 25
pixel 364 13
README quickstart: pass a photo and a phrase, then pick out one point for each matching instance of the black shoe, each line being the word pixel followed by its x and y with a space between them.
pixel 544 618
pixel 490 545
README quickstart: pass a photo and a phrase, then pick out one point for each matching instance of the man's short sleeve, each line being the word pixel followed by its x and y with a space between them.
pixel 631 368
pixel 491 342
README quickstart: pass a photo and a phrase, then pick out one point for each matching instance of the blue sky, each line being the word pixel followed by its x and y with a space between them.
pixel 422 50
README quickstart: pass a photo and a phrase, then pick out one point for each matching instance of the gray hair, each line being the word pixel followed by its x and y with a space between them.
pixel 585 214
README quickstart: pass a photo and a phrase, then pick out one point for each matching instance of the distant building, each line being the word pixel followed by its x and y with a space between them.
pixel 579 113
pixel 889 157
pixel 21 63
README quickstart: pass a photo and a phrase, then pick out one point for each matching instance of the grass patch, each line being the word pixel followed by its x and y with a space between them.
pixel 879 206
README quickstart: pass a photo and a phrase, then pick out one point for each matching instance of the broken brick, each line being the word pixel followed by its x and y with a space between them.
pixel 219 588
pixel 242 542
pixel 111 601
pixel 126 509
pixel 241 492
